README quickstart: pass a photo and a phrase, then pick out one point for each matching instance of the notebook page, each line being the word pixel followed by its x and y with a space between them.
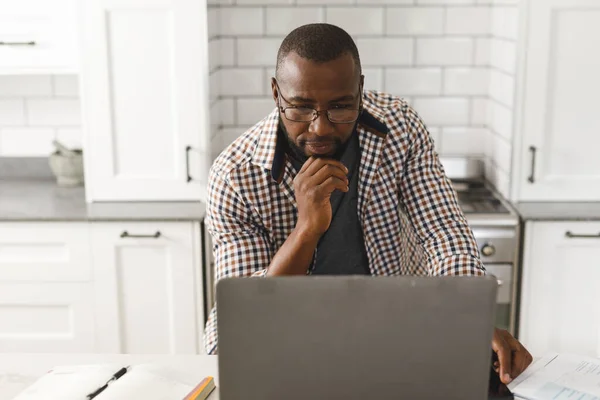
pixel 150 382
pixel 560 377
pixel 69 382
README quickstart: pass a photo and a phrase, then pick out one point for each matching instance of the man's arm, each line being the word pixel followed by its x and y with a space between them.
pixel 432 207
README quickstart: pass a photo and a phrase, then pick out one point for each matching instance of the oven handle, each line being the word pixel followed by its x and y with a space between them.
pixel 533 151
pixel 572 235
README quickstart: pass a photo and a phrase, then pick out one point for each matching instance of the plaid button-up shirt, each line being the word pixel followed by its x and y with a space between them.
pixel 411 221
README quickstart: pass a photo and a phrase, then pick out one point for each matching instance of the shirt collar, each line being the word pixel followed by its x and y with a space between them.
pixel 270 152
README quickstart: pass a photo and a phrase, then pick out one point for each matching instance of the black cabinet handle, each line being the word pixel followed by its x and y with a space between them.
pixel 572 235
pixel 187 163
pixel 533 151
pixel 126 234
pixel 32 43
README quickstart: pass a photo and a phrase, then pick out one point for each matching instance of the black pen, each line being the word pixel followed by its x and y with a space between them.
pixel 116 376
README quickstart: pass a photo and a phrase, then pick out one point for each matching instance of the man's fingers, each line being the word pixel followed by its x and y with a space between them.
pixel 319 163
pixel 503 350
pixel 307 164
pixel 521 359
pixel 327 171
pixel 332 183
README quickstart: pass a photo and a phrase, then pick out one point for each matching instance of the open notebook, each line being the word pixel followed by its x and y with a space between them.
pixel 559 377
pixel 116 382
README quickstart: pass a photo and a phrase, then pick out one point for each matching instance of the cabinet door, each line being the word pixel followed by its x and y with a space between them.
pixel 145 281
pixel 560 119
pixel 38 36
pixel 560 300
pixel 144 93
pixel 46 318
pixel 45 252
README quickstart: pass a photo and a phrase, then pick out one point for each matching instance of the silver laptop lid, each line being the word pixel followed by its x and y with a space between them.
pixel 355 337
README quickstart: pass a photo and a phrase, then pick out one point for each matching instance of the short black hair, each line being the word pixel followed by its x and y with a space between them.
pixel 319 43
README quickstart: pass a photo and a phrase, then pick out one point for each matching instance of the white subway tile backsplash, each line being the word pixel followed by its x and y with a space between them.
pixel 498 178
pixel 228 135
pixel 443 111
pixel 241 20
pixel 250 111
pixel 214 54
pixel 26 141
pixel 385 51
pixel 12 112
pixel 385 2
pixel 502 88
pixel 501 120
pixel 501 152
pixel 358 20
pixel 264 2
pixel 505 22
pixel 227 55
pixel 482 51
pixel 464 141
pixel 468 20
pixel 215 116
pixel 435 134
pixel 414 21
pixel 213 21
pixel 480 111
pixel 413 81
pixel 66 85
pixel 445 2
pixel 325 2
pixel 466 81
pixel 25 85
pixel 242 82
pixel 257 52
pixel 282 20
pixel 373 78
pixel 214 86
pixel 227 109
pixel 53 112
pixel 70 137
pixel 503 55
pixel 444 51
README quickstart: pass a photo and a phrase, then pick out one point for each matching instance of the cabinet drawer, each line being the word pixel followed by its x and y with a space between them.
pixel 46 317
pixel 38 36
pixel 45 252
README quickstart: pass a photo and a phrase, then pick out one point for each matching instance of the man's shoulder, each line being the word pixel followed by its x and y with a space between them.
pixel 382 104
pixel 238 154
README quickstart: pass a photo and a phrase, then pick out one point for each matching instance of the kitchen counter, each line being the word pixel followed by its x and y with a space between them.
pixel 43 200
pixel 549 211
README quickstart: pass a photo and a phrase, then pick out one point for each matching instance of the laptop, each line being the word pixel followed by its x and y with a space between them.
pixel 355 337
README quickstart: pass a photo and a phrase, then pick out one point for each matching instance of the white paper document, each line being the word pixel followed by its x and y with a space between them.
pixel 558 377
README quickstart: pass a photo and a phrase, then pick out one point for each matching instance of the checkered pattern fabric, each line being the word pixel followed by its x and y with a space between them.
pixel 411 220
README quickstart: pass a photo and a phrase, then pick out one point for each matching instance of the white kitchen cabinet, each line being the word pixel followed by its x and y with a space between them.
pixel 147 284
pixel 559 122
pixel 46 318
pixel 45 252
pixel 38 36
pixel 144 85
pixel 560 296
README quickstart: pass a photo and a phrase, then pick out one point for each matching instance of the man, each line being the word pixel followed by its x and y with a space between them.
pixel 338 180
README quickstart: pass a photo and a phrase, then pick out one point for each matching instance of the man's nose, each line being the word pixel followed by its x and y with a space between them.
pixel 321 126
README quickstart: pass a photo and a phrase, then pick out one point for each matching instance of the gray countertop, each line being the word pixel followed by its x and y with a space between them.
pixel 43 200
pixel 549 211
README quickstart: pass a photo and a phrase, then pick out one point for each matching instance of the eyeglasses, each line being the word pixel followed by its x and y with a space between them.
pixel 336 115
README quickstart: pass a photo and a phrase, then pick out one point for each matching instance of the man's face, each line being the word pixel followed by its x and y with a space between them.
pixel 321 86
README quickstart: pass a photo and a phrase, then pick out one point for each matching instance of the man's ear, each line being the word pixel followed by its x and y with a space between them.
pixel 274 89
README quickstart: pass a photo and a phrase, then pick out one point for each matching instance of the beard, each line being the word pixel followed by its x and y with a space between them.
pixel 297 151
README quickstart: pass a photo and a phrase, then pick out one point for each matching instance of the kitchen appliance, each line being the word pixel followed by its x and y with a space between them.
pixel 495 225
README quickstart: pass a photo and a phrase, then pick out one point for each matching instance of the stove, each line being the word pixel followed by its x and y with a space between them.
pixel 496 228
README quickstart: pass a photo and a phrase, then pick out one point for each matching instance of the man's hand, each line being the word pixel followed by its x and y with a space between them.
pixel 513 358
pixel 313 186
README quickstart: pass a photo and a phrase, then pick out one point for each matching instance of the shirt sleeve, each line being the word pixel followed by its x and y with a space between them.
pixel 240 246
pixel 432 207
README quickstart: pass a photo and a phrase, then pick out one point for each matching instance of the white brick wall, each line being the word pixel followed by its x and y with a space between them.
pixel 453 60
pixel 34 110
